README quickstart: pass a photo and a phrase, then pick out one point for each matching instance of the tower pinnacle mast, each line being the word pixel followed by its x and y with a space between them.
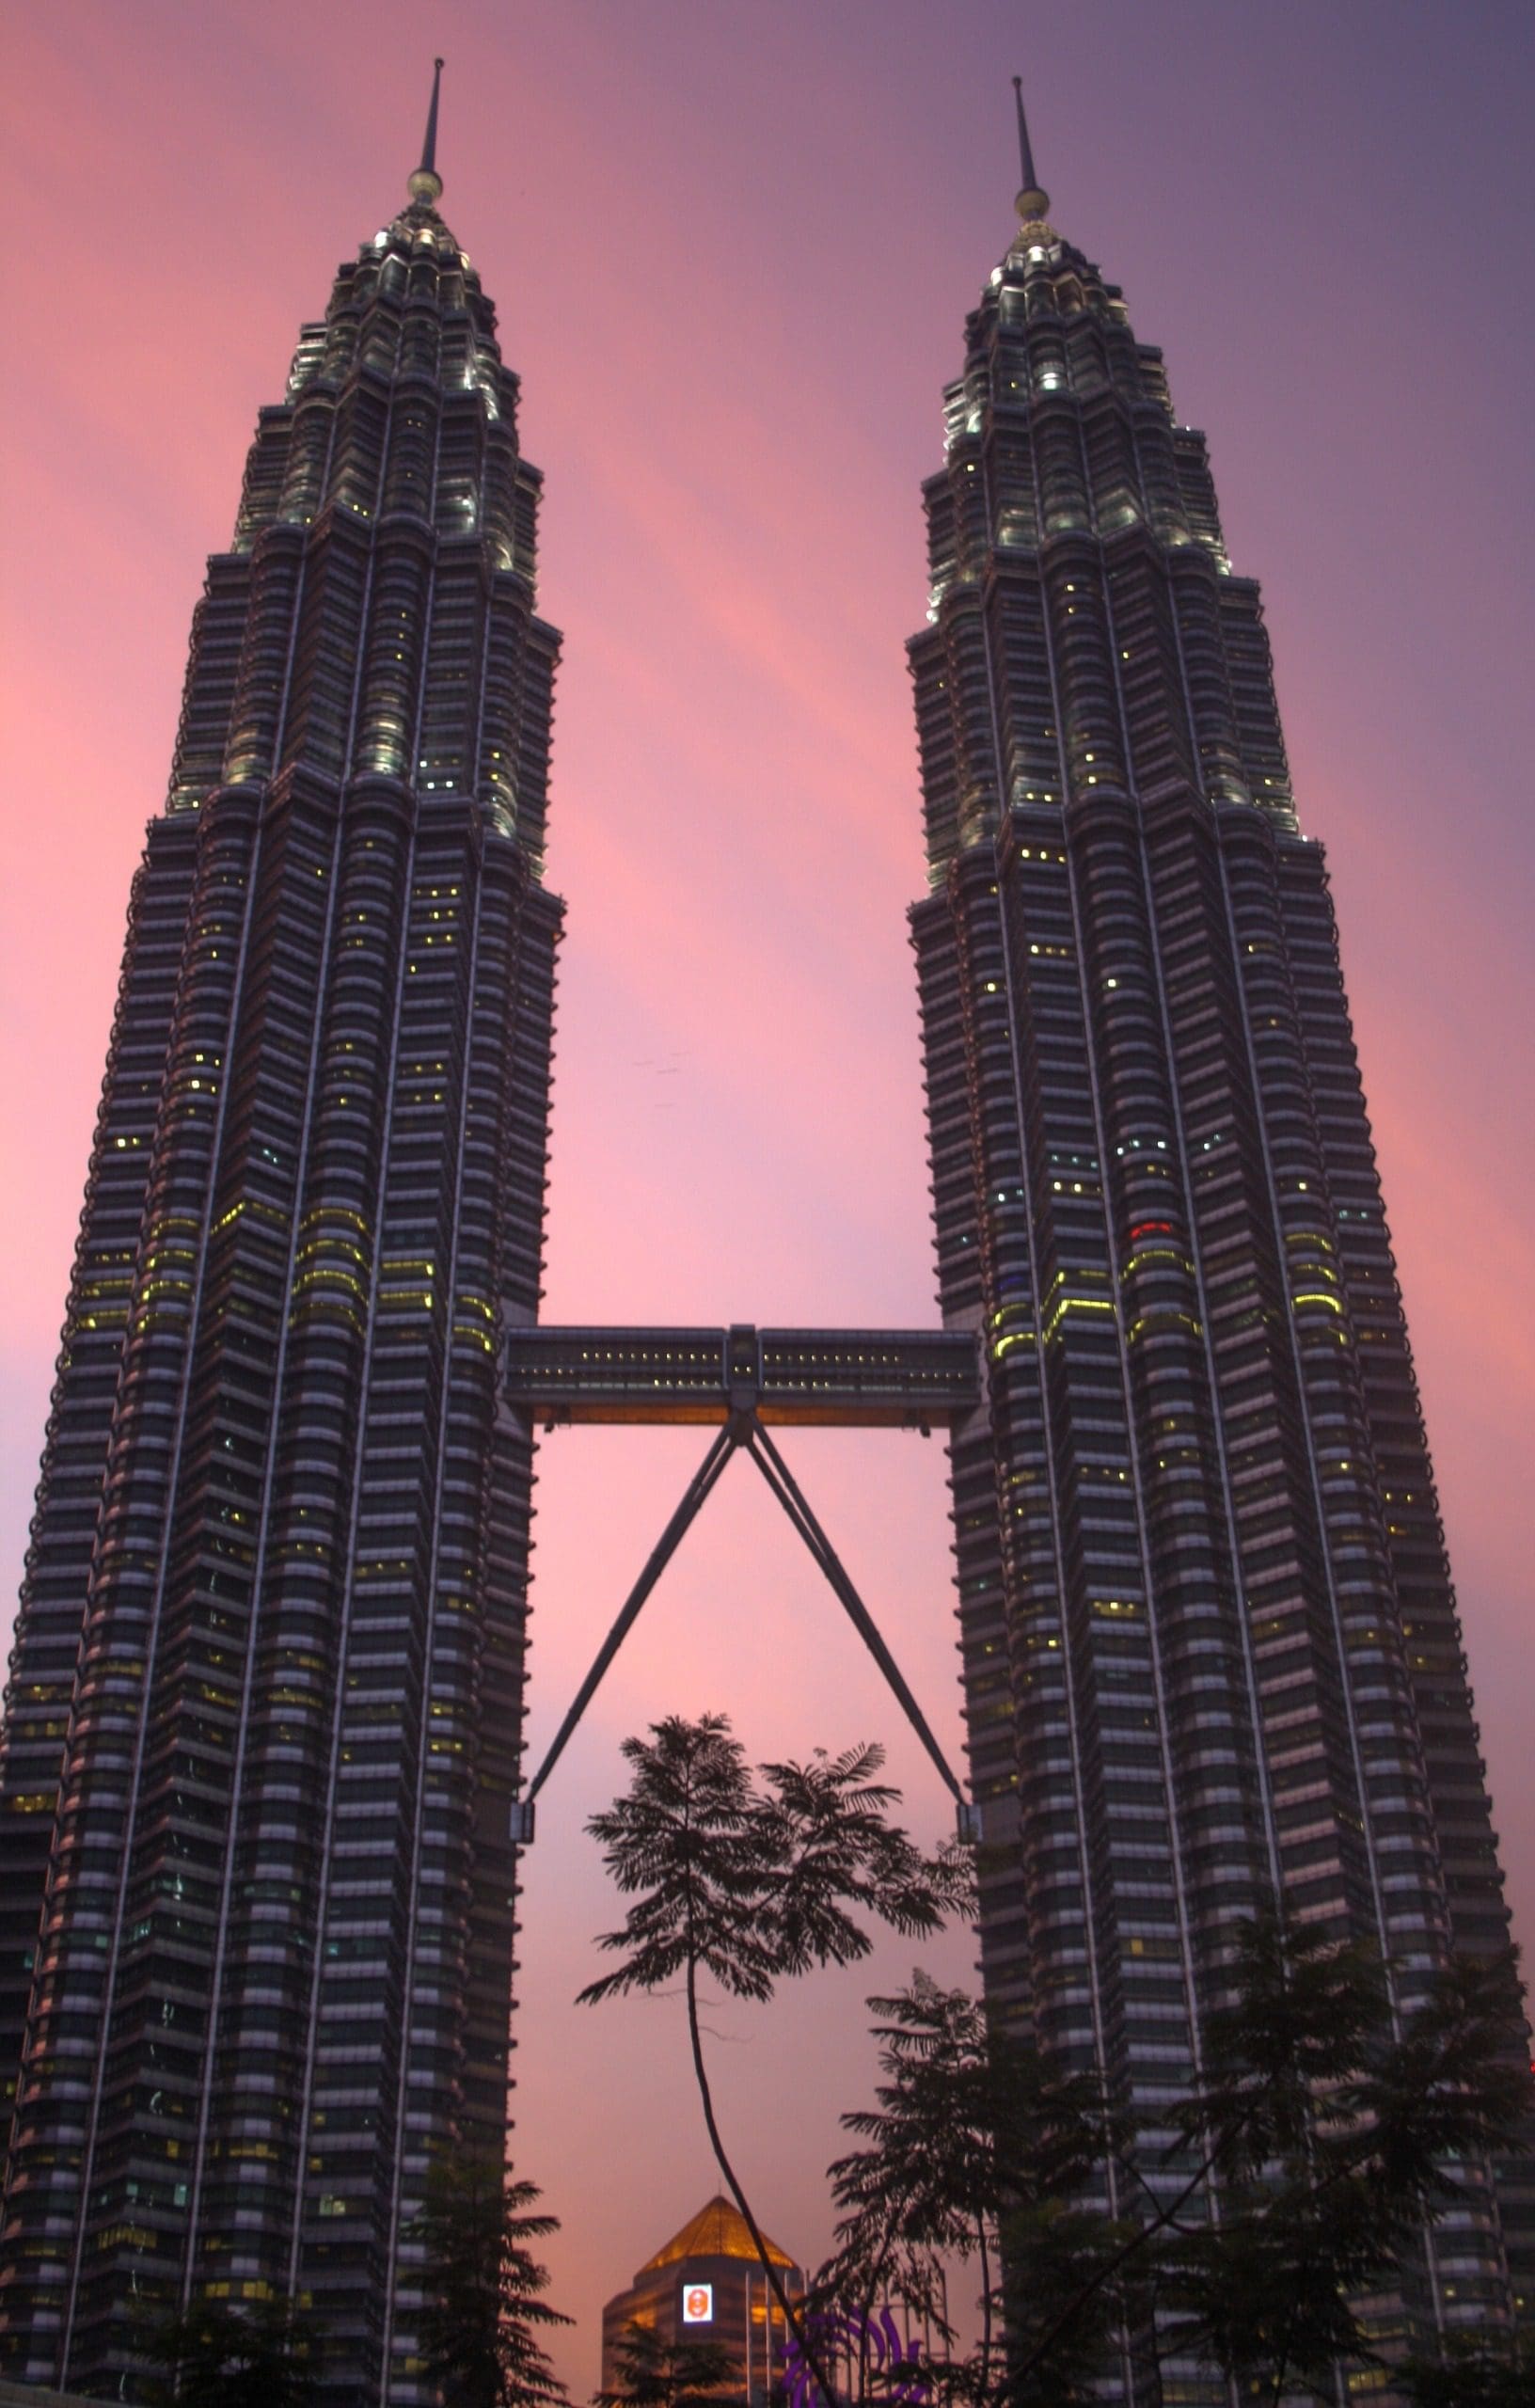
pixel 1033 201
pixel 424 183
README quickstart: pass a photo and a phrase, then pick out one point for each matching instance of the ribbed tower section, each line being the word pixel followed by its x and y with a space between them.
pixel 265 1703
pixel 1209 1640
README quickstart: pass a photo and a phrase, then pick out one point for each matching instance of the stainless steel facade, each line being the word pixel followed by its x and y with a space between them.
pixel 265 1703
pixel 1209 1639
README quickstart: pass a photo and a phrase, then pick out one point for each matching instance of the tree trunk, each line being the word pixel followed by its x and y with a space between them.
pixel 985 2390
pixel 770 2270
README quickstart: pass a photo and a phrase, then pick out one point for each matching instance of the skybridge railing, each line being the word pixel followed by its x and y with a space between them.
pixel 840 1378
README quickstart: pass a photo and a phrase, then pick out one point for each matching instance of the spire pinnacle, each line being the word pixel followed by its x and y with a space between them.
pixel 1033 201
pixel 424 183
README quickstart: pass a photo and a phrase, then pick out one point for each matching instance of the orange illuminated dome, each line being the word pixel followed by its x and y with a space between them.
pixel 718 2231
pixel 706 2284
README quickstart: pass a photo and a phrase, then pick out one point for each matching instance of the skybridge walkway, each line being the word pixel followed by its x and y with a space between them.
pixel 851 1379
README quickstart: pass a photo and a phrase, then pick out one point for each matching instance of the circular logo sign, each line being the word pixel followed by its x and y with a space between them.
pixel 698 2304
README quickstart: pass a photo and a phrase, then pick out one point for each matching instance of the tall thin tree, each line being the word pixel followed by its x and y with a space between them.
pixel 745 1886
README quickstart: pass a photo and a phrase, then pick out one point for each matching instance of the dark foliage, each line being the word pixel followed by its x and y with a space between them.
pixel 214 2356
pixel 1327 2133
pixel 1473 2374
pixel 745 1886
pixel 653 2373
pixel 485 2288
pixel 974 2141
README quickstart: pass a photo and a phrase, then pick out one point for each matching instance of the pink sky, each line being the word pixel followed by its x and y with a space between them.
pixel 732 246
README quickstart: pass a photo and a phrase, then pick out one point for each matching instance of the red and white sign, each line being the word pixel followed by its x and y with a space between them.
pixel 698 2304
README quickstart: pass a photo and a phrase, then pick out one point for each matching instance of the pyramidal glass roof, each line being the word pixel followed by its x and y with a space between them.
pixel 718 2231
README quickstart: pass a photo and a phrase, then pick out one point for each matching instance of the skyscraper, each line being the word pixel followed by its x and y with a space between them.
pixel 1210 1645
pixel 265 1702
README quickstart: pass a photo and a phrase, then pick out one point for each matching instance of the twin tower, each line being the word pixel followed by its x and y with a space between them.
pixel 262 1744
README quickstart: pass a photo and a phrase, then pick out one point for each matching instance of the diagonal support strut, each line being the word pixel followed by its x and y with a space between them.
pixel 744 1430
pixel 776 1472
pixel 733 1435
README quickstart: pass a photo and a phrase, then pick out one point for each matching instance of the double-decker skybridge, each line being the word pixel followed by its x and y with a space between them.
pixel 740 1382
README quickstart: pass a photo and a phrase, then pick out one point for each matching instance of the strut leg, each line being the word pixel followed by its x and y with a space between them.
pixel 776 1472
pixel 666 1546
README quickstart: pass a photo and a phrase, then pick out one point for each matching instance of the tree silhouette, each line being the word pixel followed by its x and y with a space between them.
pixel 654 2373
pixel 746 1886
pixel 1333 2138
pixel 214 2356
pixel 974 2141
pixel 1327 2133
pixel 483 2288
pixel 1474 2373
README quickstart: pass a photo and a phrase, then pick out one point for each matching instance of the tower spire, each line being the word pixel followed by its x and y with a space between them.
pixel 1032 199
pixel 424 183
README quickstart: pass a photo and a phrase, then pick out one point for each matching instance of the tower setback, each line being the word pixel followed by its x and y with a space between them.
pixel 265 1705
pixel 1211 1645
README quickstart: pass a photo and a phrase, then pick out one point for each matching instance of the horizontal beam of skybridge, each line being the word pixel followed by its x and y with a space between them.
pixel 848 1379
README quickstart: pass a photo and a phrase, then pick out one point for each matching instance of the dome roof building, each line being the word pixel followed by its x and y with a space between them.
pixel 707 2284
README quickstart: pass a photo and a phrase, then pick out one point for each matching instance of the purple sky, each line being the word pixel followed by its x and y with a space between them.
pixel 733 244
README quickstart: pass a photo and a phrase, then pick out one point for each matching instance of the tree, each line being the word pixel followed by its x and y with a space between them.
pixel 214 2356
pixel 1325 2138
pixel 746 1886
pixel 483 2288
pixel 1475 2374
pixel 1326 2134
pixel 974 2143
pixel 921 2190
pixel 654 2373
pixel 1331 2137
